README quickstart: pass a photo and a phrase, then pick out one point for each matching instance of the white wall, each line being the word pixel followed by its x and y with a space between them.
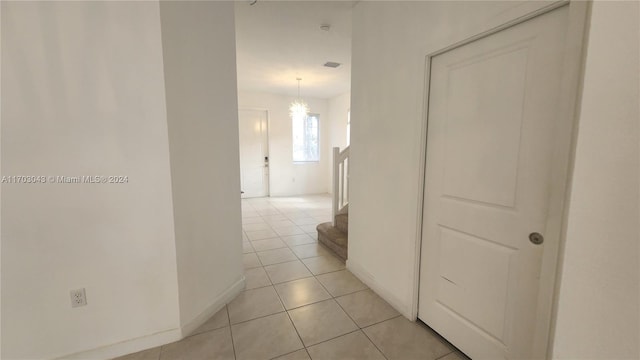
pixel 285 177
pixel 338 108
pixel 390 41
pixel 83 94
pixel 598 310
pixel 200 72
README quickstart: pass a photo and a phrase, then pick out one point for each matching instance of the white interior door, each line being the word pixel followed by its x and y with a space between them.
pixel 254 153
pixel 493 108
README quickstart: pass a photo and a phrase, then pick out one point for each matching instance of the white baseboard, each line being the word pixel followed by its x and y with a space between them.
pixel 364 276
pixel 286 194
pixel 217 304
pixel 163 337
pixel 128 346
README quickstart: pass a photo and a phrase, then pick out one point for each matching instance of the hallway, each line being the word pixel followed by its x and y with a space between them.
pixel 300 302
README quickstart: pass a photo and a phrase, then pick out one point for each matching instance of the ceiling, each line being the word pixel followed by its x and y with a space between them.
pixel 278 41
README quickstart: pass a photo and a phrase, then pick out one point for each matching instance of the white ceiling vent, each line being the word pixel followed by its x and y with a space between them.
pixel 331 64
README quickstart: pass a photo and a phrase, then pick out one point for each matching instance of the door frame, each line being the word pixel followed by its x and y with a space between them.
pixel 564 149
pixel 268 140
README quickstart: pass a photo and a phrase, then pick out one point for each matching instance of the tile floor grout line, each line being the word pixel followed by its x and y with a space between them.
pixel 233 344
pixel 361 328
pixel 204 332
pixel 381 321
pixel 302 259
pixel 259 317
pixel 311 303
pixel 374 344
pixel 350 293
pixel 297 257
pixel 282 262
pixel 333 338
pixel 328 272
pixel 291 320
pixel 289 353
pixel 345 311
pixel 447 354
pixel 307 351
pixel 357 291
pixel 284 282
pixel 321 284
pixel 255 288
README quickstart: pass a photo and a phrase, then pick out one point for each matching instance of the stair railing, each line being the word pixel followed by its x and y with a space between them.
pixel 340 182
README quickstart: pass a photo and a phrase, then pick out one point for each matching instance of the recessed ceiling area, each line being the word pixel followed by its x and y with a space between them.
pixel 279 41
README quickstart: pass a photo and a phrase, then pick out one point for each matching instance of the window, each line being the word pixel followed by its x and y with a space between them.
pixel 306 146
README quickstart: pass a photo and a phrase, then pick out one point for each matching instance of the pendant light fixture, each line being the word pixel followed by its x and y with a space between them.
pixel 298 109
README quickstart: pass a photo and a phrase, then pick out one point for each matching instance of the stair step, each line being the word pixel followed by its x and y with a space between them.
pixel 342 222
pixel 333 238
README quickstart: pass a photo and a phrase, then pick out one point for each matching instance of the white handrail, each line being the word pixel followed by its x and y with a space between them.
pixel 340 182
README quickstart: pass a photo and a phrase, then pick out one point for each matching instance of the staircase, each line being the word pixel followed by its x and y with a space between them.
pixel 335 237
pixel 334 234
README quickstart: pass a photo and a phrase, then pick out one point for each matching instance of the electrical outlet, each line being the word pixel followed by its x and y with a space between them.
pixel 78 298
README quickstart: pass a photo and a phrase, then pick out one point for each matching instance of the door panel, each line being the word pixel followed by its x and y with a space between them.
pixel 492 113
pixel 488 282
pixel 474 113
pixel 254 170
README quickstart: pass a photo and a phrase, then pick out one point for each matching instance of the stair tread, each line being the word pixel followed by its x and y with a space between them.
pixel 333 238
pixel 342 222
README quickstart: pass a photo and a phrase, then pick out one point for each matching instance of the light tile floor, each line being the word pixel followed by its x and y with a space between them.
pixel 300 302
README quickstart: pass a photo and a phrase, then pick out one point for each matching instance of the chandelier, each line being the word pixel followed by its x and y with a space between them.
pixel 298 109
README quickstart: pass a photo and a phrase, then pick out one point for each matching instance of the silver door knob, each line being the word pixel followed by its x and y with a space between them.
pixel 536 238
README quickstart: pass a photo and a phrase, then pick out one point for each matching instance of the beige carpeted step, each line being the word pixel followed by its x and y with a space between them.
pixel 342 222
pixel 333 238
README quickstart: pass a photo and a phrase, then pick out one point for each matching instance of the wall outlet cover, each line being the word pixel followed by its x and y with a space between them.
pixel 78 298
